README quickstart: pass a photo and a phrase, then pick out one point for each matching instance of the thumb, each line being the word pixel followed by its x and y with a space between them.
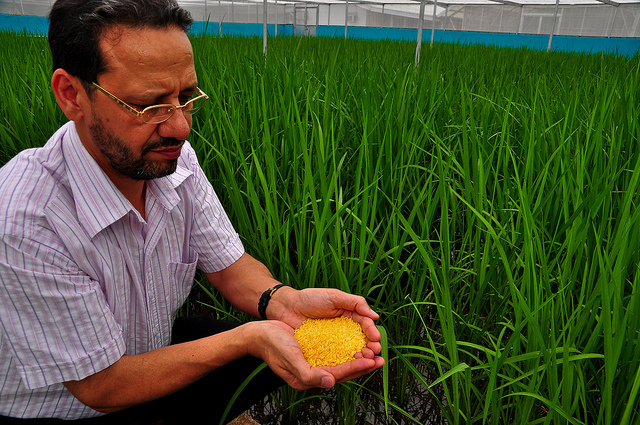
pixel 314 378
pixel 327 381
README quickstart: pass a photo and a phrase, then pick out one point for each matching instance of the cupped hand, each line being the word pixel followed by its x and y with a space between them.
pixel 273 341
pixel 319 303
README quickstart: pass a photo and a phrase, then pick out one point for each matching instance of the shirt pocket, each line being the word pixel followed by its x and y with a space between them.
pixel 181 276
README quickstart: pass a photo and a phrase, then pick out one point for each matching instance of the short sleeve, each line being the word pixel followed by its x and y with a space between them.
pixel 54 317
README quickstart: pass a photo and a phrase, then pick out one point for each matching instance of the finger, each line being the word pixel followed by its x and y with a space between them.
pixel 371 331
pixel 318 379
pixel 349 368
pixel 302 376
pixel 356 376
pixel 378 363
pixel 368 326
pixel 375 347
pixel 354 303
pixel 365 310
pixel 368 353
pixel 354 369
pixel 361 307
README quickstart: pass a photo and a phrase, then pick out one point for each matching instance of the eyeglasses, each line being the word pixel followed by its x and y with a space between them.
pixel 156 114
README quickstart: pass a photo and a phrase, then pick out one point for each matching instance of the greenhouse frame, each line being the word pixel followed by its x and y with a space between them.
pixel 583 18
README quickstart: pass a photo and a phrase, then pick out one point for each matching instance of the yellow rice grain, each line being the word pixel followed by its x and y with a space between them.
pixel 330 342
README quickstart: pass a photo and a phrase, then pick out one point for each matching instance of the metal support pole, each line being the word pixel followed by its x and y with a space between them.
pixel 446 16
pixel 276 24
pixel 553 27
pixel 613 20
pixel 584 18
pixel 346 18
pixel 521 19
pixel 420 26
pixel 264 28
pixel 433 21
pixel 634 27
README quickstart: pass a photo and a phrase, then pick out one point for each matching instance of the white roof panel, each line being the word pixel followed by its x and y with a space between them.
pixel 417 2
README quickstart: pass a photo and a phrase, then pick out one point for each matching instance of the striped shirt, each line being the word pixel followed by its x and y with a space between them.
pixel 84 278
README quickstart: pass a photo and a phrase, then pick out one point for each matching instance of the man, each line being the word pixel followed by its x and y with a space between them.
pixel 103 229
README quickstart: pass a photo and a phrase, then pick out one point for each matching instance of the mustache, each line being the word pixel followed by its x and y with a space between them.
pixel 164 142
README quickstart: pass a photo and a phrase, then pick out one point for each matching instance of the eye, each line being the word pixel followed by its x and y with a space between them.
pixel 140 107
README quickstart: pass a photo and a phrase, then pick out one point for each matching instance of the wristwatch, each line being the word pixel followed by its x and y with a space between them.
pixel 264 300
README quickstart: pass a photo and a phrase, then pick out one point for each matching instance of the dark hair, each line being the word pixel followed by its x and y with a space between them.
pixel 75 28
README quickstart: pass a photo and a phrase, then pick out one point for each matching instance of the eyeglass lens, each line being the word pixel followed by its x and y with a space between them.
pixel 159 113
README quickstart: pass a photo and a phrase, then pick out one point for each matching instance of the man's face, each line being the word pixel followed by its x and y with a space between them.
pixel 144 67
pixel 129 163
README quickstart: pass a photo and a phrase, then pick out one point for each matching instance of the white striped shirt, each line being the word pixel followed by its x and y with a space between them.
pixel 84 278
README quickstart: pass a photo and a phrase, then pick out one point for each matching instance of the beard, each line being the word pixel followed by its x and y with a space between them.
pixel 125 162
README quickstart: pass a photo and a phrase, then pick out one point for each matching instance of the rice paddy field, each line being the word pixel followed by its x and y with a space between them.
pixel 486 203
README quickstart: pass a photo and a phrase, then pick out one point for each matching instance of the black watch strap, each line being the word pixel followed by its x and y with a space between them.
pixel 264 300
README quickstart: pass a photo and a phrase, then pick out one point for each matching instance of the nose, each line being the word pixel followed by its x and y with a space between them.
pixel 178 126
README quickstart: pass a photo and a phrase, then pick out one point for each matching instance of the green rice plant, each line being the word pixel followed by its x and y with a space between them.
pixel 223 418
pixel 418 184
pixel 29 110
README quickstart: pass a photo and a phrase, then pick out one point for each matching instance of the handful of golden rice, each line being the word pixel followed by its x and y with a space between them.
pixel 330 342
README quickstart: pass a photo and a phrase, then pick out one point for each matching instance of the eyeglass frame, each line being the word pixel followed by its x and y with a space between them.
pixel 140 114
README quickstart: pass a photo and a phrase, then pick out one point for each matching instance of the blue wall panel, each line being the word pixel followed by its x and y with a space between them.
pixel 621 46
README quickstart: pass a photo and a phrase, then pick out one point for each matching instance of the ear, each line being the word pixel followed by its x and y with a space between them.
pixel 70 94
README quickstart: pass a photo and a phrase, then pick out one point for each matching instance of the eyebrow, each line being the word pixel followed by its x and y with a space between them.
pixel 160 94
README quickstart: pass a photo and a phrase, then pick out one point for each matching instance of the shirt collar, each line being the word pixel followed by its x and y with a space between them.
pixel 99 203
pixel 164 189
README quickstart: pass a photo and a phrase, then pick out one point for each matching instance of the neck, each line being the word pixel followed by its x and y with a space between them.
pixel 137 196
pixel 134 190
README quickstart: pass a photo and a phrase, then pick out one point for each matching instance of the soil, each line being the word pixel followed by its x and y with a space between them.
pixel 243 419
